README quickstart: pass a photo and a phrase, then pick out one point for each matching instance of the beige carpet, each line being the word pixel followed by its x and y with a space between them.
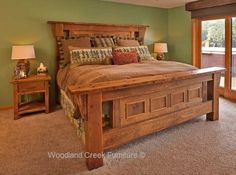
pixel 196 147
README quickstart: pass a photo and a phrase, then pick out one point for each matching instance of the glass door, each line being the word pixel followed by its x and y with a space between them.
pixel 213 45
pixel 233 57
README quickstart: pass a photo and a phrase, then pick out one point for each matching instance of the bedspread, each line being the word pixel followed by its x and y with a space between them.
pixel 77 75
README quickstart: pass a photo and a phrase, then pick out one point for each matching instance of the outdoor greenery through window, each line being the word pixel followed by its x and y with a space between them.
pixel 233 58
pixel 234 32
pixel 213 45
pixel 213 33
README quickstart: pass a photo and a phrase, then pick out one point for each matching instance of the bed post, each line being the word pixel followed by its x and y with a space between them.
pixel 213 94
pixel 93 131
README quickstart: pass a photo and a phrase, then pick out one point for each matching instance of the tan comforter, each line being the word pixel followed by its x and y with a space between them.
pixel 77 75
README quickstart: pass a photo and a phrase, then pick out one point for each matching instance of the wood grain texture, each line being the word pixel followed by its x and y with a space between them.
pixel 93 130
pixel 140 105
pixel 213 95
pixel 132 82
pixel 119 136
pixel 68 30
pixel 196 42
pixel 197 5
pixel 2 108
pixel 31 85
pixel 136 115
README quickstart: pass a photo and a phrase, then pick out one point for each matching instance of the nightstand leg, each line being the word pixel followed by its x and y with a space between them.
pixel 16 103
pixel 46 97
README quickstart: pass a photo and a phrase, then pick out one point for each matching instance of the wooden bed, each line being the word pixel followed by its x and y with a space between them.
pixel 140 106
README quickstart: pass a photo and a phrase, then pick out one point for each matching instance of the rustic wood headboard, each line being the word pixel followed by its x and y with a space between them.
pixel 67 30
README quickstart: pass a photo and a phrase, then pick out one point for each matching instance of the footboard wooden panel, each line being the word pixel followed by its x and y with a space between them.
pixel 119 136
pixel 141 106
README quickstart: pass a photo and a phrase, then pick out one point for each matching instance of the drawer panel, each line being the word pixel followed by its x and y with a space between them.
pixel 31 87
pixel 195 93
pixel 133 110
pixel 143 107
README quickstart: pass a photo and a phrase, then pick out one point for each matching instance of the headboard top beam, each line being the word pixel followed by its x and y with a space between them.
pixel 94 24
pixel 59 28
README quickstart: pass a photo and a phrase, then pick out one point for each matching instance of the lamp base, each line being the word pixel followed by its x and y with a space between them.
pixel 160 56
pixel 22 69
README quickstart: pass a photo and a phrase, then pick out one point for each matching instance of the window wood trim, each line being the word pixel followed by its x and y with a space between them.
pixel 196 42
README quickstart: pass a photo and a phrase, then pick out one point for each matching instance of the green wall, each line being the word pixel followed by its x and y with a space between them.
pixel 25 22
pixel 179 35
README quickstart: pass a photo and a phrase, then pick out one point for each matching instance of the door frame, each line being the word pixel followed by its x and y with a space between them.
pixel 225 91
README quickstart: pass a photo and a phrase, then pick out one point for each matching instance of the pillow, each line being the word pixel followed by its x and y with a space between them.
pixel 120 58
pixel 142 51
pixel 104 42
pixel 80 42
pixel 122 42
pixel 91 56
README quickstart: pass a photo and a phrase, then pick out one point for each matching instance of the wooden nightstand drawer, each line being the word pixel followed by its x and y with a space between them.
pixel 31 87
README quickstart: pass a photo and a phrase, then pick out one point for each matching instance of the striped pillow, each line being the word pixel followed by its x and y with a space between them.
pixel 104 42
pixel 91 56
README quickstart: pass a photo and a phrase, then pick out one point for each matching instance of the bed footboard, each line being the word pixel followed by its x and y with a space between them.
pixel 141 106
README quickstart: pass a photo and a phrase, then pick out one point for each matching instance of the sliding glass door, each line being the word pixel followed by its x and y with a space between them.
pixel 233 57
pixel 215 45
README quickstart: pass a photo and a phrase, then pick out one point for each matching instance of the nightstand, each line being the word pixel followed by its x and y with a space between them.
pixel 30 85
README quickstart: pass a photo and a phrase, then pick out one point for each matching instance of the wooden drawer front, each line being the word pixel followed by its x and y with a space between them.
pixel 178 98
pixel 160 103
pixel 136 109
pixel 31 87
pixel 133 110
pixel 195 93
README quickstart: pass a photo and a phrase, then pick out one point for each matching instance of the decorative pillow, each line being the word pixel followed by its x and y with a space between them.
pixel 120 58
pixel 127 43
pixel 91 56
pixel 104 42
pixel 109 42
pixel 80 42
pixel 142 51
pixel 98 42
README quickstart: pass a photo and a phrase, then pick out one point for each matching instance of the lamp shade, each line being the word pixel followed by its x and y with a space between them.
pixel 22 52
pixel 160 48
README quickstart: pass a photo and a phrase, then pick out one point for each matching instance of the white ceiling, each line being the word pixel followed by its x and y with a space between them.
pixel 154 3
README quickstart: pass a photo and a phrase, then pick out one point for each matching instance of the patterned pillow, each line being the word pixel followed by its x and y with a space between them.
pixel 120 58
pixel 109 42
pixel 77 42
pixel 91 56
pixel 104 42
pixel 142 51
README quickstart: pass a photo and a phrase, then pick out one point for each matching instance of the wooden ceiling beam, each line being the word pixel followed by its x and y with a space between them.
pixel 203 4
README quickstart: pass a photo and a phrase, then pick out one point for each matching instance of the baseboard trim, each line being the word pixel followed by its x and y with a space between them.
pixel 2 108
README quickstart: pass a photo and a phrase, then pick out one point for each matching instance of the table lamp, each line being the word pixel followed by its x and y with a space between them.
pixel 160 49
pixel 22 53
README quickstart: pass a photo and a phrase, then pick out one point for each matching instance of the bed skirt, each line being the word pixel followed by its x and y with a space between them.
pixel 69 110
